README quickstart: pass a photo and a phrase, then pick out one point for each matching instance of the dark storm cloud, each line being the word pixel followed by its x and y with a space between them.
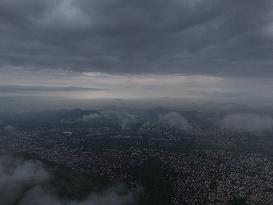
pixel 212 37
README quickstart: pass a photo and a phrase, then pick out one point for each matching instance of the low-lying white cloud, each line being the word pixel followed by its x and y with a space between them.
pixel 91 117
pixel 23 182
pixel 17 175
pixel 38 196
pixel 246 122
pixel 123 118
pixel 175 120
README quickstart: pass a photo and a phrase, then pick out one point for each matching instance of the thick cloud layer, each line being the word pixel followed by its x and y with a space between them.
pixel 211 37
pixel 24 182
pixel 247 122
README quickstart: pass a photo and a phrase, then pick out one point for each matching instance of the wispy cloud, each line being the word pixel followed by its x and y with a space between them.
pixel 34 88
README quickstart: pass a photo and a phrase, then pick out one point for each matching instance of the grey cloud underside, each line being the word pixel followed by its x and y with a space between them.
pixel 21 88
pixel 212 37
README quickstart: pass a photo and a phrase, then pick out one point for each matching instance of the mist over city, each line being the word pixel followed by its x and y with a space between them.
pixel 136 102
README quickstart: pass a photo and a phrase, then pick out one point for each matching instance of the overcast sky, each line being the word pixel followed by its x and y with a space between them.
pixel 138 48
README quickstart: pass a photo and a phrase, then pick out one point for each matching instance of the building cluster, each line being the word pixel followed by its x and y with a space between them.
pixel 199 176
